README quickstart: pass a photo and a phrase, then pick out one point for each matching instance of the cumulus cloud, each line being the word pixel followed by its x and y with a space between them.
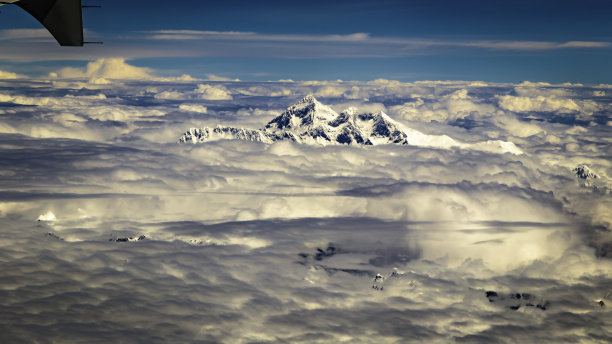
pixel 171 95
pixel 339 91
pixel 532 98
pixel 516 127
pixel 330 91
pixel 265 91
pixel 9 75
pixel 539 103
pixel 213 92
pixel 48 216
pixel 235 241
pixel 452 106
pixel 104 68
pixel 193 108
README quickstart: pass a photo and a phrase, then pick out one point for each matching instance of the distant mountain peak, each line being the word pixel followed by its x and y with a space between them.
pixel 308 112
pixel 308 99
pixel 310 122
pixel 308 102
pixel 582 171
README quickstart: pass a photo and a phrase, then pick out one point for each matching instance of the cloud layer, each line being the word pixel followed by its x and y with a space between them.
pixel 112 68
pixel 141 239
pixel 367 39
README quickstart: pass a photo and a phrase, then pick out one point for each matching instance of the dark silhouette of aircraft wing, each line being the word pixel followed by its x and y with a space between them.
pixel 63 18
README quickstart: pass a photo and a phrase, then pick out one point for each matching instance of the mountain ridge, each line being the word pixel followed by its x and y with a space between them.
pixel 311 122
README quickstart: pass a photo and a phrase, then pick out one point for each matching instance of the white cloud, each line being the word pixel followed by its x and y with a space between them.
pixel 68 119
pixel 25 34
pixel 9 75
pixel 48 216
pixel 330 92
pixel 515 126
pixel 577 130
pixel 252 36
pixel 455 105
pixel 534 45
pixel 213 92
pixel 269 91
pixel 104 68
pixel 338 90
pixel 182 78
pixel 365 38
pixel 24 100
pixel 172 95
pixel 120 113
pixel 542 103
pixel 193 108
pixel 93 83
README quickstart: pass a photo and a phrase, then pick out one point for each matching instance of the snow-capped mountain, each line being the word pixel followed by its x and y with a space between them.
pixel 312 122
pixel 308 113
pixel 309 121
pixel 584 172
pixel 599 183
pixel 195 135
pixel 367 128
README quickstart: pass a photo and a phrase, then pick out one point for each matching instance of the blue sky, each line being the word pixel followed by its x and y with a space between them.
pixel 499 41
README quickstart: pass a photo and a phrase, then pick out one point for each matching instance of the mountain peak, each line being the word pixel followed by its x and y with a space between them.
pixel 309 102
pixel 308 99
pixel 308 112
pixel 582 171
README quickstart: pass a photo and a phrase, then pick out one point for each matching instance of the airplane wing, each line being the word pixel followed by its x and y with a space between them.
pixel 62 18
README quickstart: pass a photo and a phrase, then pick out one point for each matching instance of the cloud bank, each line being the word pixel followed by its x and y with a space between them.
pixel 111 68
pixel 9 75
pixel 141 239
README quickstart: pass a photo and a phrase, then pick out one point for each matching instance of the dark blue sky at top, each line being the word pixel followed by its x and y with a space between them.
pixel 517 19
pixel 449 21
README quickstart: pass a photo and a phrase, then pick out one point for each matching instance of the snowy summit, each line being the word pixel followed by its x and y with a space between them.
pixel 311 122
pixel 584 172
